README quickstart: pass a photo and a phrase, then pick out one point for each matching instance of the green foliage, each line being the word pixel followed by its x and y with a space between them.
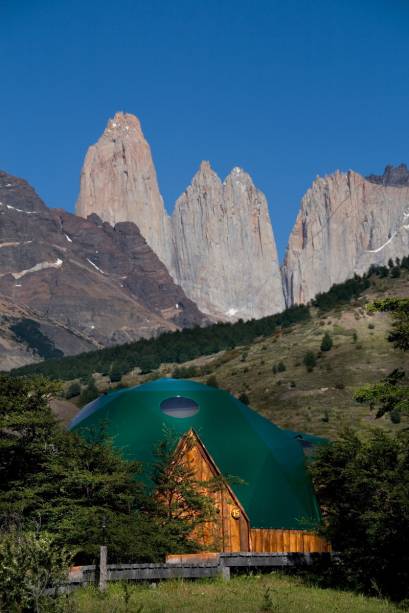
pixel 30 563
pixel 268 605
pixel 180 346
pixel 89 393
pixel 74 389
pixel 395 416
pixel 326 343
pixel 363 490
pixel 181 503
pixel 399 309
pixel 245 593
pixel 310 361
pixel 281 367
pixel 186 372
pixel 115 375
pixel 341 293
pixel 28 331
pixel 66 484
pixel 244 398
pixel 391 394
pixel 212 381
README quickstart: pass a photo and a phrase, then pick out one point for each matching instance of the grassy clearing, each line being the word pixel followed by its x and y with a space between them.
pixel 266 593
pixel 318 402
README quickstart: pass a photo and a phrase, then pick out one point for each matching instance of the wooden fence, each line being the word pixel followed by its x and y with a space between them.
pixel 263 540
pixel 189 567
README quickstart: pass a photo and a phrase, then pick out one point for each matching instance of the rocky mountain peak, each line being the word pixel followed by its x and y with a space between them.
pixel 18 196
pixel 393 176
pixel 214 228
pixel 225 253
pixel 118 183
pixel 346 223
pixel 238 176
pixel 123 125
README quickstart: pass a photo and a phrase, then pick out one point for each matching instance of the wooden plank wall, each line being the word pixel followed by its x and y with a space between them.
pixel 263 540
pixel 225 533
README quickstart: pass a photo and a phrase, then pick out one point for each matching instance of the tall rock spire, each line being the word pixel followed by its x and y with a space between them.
pixel 218 244
pixel 118 183
pixel 345 224
pixel 226 257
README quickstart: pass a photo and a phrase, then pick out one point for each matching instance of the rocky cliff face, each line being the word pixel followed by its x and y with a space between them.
pixel 218 244
pixel 103 284
pixel 225 254
pixel 118 183
pixel 346 223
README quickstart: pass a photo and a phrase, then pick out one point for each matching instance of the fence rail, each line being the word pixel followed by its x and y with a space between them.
pixel 218 566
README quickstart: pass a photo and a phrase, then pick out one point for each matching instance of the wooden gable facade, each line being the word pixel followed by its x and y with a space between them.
pixel 231 531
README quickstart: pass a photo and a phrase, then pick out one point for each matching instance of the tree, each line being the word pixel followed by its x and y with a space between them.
pixel 310 361
pixel 212 381
pixel 64 483
pixel 391 394
pixel 89 393
pixel 281 367
pixel 27 428
pixel 326 343
pixel 363 488
pixel 181 503
pixel 30 563
pixel 74 389
pixel 244 398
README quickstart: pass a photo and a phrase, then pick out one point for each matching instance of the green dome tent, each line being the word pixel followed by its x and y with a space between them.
pixel 276 492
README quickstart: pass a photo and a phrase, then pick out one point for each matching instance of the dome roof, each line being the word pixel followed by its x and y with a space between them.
pixel 277 491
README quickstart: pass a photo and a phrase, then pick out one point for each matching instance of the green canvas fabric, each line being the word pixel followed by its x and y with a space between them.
pixel 277 491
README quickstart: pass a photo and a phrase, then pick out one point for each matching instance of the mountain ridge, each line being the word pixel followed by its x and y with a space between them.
pixel 102 282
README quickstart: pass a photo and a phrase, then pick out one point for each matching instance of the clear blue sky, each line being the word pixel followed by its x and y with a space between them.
pixel 286 89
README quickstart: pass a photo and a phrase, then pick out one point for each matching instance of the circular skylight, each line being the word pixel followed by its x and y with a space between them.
pixel 179 406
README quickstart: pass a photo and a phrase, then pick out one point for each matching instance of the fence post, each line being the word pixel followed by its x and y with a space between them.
pixel 103 571
pixel 224 571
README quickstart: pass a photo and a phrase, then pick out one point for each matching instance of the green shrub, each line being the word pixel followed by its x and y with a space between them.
pixel 185 372
pixel 325 417
pixel 326 343
pixel 30 563
pixel 73 390
pixel 244 398
pixel 281 367
pixel 89 393
pixel 310 361
pixel 212 381
pixel 363 489
pixel 395 416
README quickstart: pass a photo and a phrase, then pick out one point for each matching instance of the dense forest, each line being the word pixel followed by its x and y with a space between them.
pixel 188 344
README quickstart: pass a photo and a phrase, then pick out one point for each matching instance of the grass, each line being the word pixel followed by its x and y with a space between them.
pixel 267 593
pixel 319 402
